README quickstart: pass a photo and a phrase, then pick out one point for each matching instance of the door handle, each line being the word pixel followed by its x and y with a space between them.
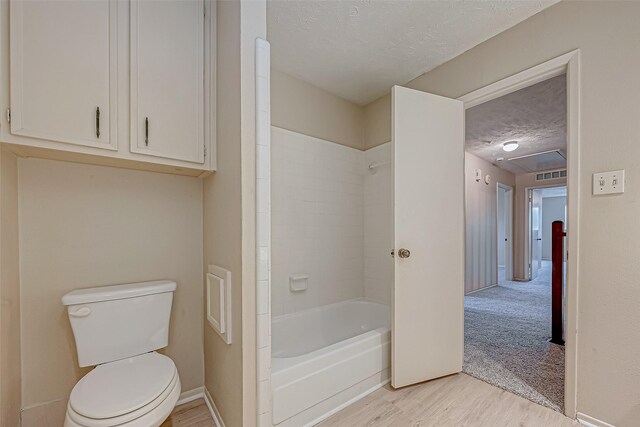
pixel 404 253
pixel 146 131
pixel 97 122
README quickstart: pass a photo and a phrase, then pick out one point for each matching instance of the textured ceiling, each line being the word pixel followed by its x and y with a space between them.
pixel 359 49
pixel 535 116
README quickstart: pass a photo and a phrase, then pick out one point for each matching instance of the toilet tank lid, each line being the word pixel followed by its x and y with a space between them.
pixel 114 292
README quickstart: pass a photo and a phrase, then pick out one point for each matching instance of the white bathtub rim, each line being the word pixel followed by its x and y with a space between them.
pixel 324 387
pixel 296 362
pixel 286 377
pixel 286 316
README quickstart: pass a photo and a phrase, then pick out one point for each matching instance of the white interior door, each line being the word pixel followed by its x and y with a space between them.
pixel 428 171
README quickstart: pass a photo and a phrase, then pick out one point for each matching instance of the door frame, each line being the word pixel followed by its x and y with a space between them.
pixel 568 64
pixel 528 255
pixel 509 191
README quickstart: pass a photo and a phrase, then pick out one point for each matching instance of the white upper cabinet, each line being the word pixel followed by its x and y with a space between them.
pixel 63 82
pixel 127 83
pixel 167 79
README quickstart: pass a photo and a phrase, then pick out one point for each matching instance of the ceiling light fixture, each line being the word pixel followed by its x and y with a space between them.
pixel 510 146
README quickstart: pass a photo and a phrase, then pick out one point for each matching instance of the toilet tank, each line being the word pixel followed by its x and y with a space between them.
pixel 115 322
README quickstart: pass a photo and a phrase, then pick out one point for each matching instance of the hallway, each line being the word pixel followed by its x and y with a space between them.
pixel 506 333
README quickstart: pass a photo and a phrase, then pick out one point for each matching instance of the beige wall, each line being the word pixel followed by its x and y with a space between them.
pixel 301 107
pixel 10 386
pixel 83 226
pixel 377 119
pixel 481 238
pixel 229 211
pixel 607 35
pixel 377 122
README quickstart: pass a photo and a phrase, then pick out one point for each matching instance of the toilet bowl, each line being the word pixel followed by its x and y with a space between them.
pixel 136 392
pixel 117 329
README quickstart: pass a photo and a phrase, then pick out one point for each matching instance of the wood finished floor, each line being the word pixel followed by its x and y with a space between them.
pixel 192 414
pixel 455 401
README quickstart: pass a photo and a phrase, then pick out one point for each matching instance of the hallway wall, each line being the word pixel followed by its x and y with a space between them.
pixel 481 202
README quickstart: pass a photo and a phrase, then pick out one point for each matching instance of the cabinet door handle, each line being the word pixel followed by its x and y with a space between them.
pixel 146 131
pixel 97 122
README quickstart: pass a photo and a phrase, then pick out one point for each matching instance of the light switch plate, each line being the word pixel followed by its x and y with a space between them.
pixel 611 182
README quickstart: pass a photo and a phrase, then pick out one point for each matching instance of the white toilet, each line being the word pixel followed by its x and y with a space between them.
pixel 118 328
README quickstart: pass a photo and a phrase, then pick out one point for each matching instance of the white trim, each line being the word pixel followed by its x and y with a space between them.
pixel 347 403
pixel 509 192
pixel 215 414
pixel 190 396
pixel 526 78
pixel 568 63
pixel 588 421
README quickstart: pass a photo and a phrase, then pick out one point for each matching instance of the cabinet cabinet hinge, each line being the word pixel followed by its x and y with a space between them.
pixel 205 151
pixel 9 115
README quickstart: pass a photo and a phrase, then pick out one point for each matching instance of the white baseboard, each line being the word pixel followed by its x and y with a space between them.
pixel 190 396
pixel 215 414
pixel 202 393
pixel 588 421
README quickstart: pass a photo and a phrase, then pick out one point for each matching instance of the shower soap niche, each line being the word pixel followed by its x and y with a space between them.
pixel 298 283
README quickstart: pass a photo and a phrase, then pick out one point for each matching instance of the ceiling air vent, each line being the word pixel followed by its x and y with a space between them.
pixel 544 176
pixel 539 162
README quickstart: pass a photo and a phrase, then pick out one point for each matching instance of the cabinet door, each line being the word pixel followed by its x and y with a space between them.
pixel 167 79
pixel 63 71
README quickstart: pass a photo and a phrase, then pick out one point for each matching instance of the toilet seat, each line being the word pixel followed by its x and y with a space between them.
pixel 139 391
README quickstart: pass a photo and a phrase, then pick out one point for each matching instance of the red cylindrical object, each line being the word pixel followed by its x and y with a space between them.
pixel 557 280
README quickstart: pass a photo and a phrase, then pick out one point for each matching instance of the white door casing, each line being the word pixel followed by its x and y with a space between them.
pixel 428 213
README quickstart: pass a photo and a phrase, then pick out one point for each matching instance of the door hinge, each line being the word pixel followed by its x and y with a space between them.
pixel 9 115
pixel 205 151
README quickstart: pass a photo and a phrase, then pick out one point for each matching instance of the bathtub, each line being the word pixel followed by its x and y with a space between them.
pixel 325 358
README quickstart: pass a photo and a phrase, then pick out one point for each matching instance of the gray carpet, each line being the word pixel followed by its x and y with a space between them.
pixel 505 340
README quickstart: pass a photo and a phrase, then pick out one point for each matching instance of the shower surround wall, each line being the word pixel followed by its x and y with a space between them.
pixel 331 221
pixel 378 224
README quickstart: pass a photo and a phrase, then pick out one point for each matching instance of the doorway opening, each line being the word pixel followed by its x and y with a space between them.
pixel 512 143
pixel 505 232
